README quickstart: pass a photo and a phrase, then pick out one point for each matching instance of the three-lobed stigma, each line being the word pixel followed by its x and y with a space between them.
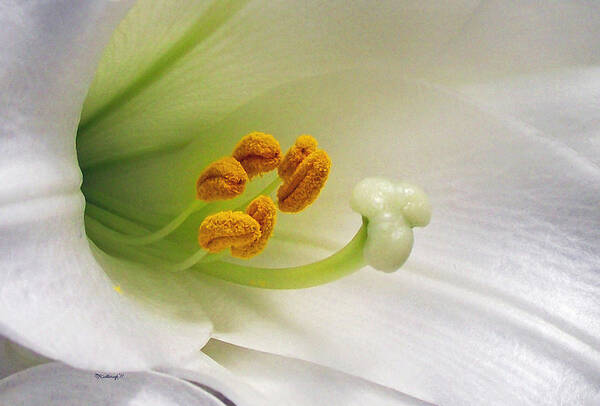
pixel 392 210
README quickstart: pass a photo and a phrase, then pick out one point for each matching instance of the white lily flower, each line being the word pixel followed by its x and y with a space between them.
pixel 489 106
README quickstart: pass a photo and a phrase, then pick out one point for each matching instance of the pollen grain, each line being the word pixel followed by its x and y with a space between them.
pixel 263 210
pixel 258 153
pixel 221 180
pixel 227 229
pixel 302 148
pixel 304 185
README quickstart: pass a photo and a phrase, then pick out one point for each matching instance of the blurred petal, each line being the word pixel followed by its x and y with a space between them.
pixel 200 369
pixel 54 296
pixel 60 385
pixel 288 381
pixel 15 358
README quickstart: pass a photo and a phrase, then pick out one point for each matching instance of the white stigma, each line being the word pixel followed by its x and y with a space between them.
pixel 392 209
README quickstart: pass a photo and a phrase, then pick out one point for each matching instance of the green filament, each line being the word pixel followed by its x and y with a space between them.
pixel 164 231
pixel 188 263
pixel 163 258
pixel 270 188
pixel 200 256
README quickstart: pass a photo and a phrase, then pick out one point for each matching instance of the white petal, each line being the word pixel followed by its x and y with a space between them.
pixel 564 106
pixel 54 296
pixel 502 285
pixel 288 381
pixel 49 52
pixel 195 98
pixel 508 37
pixel 60 385
pixel 241 49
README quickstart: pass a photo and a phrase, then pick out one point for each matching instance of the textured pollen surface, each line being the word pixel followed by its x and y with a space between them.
pixel 302 148
pixel 263 210
pixel 221 180
pixel 305 184
pixel 258 153
pixel 227 229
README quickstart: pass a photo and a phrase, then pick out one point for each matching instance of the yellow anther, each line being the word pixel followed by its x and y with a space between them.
pixel 263 210
pixel 227 229
pixel 258 153
pixel 304 146
pixel 221 180
pixel 305 184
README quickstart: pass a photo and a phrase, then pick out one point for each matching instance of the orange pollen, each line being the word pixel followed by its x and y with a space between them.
pixel 227 229
pixel 263 210
pixel 223 179
pixel 304 185
pixel 258 153
pixel 304 146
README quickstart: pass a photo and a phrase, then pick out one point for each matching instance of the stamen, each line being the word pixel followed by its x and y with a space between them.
pixel 227 229
pixel 258 153
pixel 263 210
pixel 188 263
pixel 223 179
pixel 304 146
pixel 305 184
pixel 163 231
